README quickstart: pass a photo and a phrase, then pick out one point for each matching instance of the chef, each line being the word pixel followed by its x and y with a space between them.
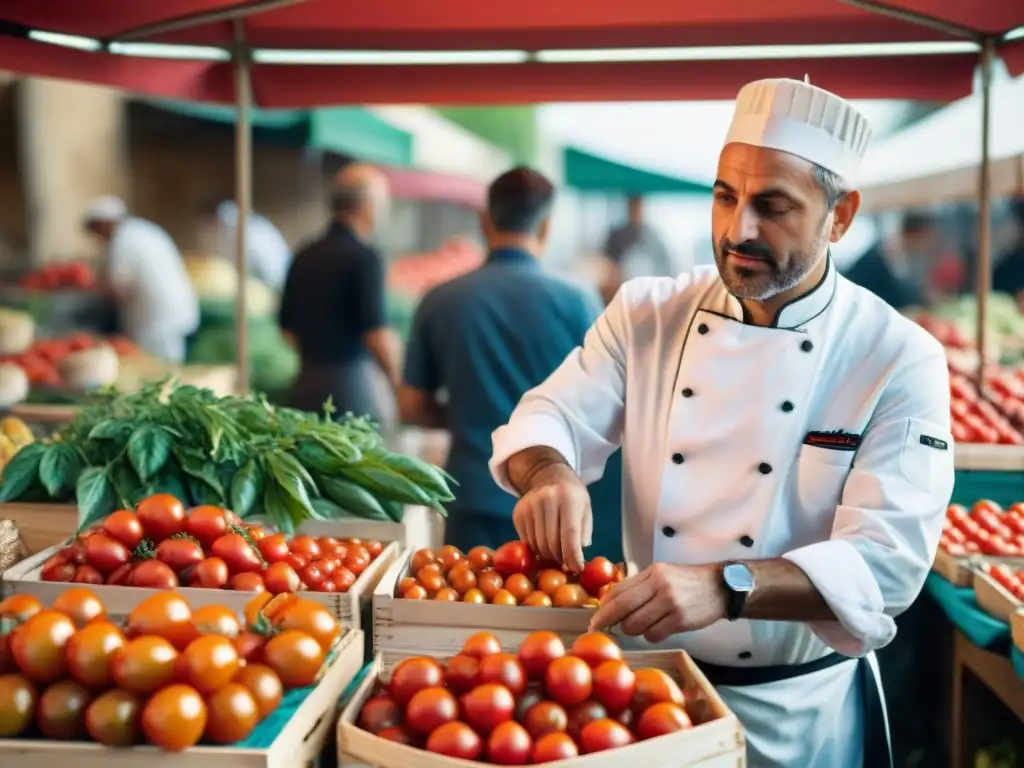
pixel 157 304
pixel 786 446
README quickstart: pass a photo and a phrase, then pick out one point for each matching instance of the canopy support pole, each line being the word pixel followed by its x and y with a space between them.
pixel 984 267
pixel 243 199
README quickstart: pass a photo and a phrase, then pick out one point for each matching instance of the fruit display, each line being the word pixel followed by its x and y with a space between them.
pixel 985 529
pixel 160 546
pixel 542 704
pixel 169 676
pixel 44 359
pixel 509 575
pixel 994 417
pixel 14 435
pixel 60 276
pixel 235 452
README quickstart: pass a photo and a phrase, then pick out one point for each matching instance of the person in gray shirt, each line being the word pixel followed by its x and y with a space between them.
pixel 634 250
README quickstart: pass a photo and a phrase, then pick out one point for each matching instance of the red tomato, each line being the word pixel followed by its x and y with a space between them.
pixel 327 565
pixel 429 709
pixel 653 686
pixel 357 559
pixel 513 557
pixel 206 524
pixel 460 673
pixel 298 562
pixel 161 516
pixel 554 747
pixel 343 579
pixel 57 568
pixel 312 576
pixel 86 574
pixel 329 545
pixel 306 546
pixel 378 714
pixel 596 573
pixel 211 573
pixel 481 644
pixel 122 575
pixel 487 706
pixel 595 648
pixel 237 553
pixel 455 740
pixel 662 718
pixel 153 574
pixel 179 554
pixel 568 681
pixel 614 682
pixel 124 526
pixel 509 744
pixel 281 577
pixel 274 548
pixel 105 554
pixel 504 669
pixel 604 734
pixel 413 675
pixel 545 717
pixel 247 582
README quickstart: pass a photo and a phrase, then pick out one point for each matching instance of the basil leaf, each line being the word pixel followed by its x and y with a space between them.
pixel 112 429
pixel 149 448
pixel 59 468
pixel 275 510
pixel 246 487
pixel 289 483
pixel 96 497
pixel 21 472
pixel 354 499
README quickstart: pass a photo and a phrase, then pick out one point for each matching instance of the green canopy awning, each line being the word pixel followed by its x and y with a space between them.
pixel 587 172
pixel 350 131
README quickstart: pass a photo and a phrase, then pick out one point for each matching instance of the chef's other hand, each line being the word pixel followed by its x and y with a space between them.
pixel 554 519
pixel 663 600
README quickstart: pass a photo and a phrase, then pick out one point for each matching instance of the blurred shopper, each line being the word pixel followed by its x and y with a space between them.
pixel 1008 276
pixel 156 301
pixel 634 250
pixel 332 308
pixel 267 253
pixel 895 269
pixel 485 339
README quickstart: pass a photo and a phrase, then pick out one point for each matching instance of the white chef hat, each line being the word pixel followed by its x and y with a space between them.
pixel 803 120
pixel 106 208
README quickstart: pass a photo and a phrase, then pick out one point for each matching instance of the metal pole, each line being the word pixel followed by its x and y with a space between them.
pixel 243 199
pixel 984 278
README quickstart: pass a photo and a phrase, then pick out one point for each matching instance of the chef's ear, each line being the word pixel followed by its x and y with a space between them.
pixel 844 214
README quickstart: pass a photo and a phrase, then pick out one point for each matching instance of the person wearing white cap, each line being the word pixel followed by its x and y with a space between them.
pixel 157 303
pixel 786 446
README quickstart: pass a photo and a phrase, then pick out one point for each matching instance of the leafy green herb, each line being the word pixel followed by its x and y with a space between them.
pixel 246 486
pixel 95 495
pixel 59 468
pixel 21 472
pixel 149 448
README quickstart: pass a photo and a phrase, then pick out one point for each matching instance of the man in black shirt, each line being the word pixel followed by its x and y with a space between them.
pixel 332 308
pixel 889 270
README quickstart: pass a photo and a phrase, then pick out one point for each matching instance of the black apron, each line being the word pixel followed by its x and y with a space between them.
pixel 877 743
pixel 353 387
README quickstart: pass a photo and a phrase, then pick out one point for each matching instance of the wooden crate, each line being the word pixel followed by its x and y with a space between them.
pixel 982 457
pixel 119 601
pixel 401 627
pixel 717 743
pixel 1017 628
pixel 299 743
pixel 42 526
pixel 993 598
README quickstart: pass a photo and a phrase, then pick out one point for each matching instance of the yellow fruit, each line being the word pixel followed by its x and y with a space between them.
pixel 16 429
pixel 7 449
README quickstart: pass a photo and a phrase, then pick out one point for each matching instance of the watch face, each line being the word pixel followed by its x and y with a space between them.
pixel 738 577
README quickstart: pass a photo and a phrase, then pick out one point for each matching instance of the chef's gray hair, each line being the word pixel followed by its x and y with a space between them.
pixel 833 185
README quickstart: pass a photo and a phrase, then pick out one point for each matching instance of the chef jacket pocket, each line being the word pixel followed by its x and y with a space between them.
pixel 926 458
pixel 821 475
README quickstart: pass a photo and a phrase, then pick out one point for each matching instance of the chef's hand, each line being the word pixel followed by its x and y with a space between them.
pixel 663 600
pixel 554 517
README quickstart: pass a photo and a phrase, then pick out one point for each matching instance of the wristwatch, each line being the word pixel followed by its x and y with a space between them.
pixel 739 583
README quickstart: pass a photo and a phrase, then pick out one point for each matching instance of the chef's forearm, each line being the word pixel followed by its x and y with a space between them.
pixel 783 592
pixel 537 466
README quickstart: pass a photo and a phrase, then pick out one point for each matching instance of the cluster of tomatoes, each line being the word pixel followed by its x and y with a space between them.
pixel 169 676
pixel 985 529
pixel 68 274
pixel 539 705
pixel 1009 578
pixel 510 575
pixel 159 546
pixel 994 417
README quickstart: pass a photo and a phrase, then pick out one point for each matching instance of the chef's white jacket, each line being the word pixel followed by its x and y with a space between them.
pixel 157 302
pixel 267 254
pixel 714 417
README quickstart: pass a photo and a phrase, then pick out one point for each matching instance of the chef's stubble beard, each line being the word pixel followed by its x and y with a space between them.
pixel 750 285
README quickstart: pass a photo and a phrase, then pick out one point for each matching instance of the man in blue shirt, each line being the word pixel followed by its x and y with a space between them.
pixel 485 339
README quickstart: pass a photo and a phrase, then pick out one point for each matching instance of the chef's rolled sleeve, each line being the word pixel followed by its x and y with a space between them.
pixel 578 409
pixel 889 521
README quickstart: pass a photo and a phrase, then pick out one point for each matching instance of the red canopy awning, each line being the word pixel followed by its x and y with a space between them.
pixel 527 25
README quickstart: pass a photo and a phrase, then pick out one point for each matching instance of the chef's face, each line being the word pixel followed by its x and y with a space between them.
pixel 771 222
